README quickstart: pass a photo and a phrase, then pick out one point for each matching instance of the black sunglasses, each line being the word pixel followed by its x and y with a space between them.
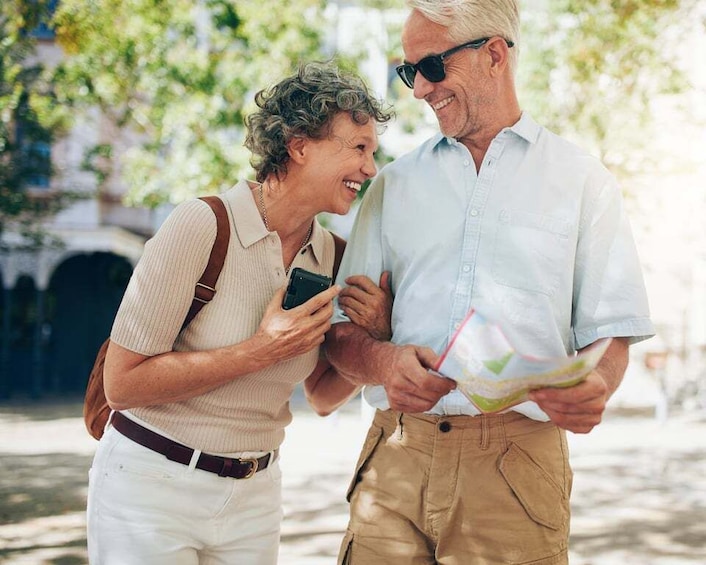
pixel 432 67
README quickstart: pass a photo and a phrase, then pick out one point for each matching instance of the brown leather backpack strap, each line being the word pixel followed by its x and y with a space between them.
pixel 95 406
pixel 340 246
pixel 205 289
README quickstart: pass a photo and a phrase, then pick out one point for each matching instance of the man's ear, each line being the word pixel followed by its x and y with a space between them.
pixel 499 55
pixel 297 149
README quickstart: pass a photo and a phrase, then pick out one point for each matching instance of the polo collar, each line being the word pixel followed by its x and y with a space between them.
pixel 249 226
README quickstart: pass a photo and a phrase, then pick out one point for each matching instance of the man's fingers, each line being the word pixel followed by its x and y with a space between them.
pixel 427 357
pixel 362 282
pixel 580 424
pixel 385 282
pixel 410 404
pixel 352 294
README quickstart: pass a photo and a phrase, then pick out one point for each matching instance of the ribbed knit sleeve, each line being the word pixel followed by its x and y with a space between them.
pixel 162 286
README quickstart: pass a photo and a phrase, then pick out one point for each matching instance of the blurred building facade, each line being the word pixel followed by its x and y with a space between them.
pixel 57 304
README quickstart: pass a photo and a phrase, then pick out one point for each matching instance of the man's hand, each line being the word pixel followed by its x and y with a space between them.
pixel 578 408
pixel 368 305
pixel 409 384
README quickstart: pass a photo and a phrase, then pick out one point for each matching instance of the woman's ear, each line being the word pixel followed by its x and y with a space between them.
pixel 297 149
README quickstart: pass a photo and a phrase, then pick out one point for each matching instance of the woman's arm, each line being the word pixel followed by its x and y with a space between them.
pixel 132 380
pixel 369 307
pixel 326 390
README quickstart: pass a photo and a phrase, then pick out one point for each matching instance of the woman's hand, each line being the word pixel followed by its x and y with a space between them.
pixel 368 305
pixel 284 334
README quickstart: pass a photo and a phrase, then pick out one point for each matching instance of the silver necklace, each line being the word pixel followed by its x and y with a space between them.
pixel 263 211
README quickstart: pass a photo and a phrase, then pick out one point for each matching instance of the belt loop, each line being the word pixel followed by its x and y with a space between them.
pixel 194 459
pixel 484 432
pixel 399 427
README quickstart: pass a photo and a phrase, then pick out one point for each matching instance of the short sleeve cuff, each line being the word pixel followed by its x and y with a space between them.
pixel 637 330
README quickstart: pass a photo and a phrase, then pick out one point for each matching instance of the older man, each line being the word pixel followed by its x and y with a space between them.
pixel 499 214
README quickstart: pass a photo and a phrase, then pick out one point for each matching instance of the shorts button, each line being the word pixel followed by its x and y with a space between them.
pixel 444 427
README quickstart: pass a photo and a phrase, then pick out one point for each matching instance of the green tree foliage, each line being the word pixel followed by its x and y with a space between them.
pixel 593 70
pixel 29 118
pixel 181 74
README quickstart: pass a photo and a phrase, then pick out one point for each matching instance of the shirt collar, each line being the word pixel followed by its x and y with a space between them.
pixel 525 127
pixel 246 217
pixel 249 225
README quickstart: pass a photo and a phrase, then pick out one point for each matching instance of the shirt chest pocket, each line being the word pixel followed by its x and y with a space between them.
pixel 530 251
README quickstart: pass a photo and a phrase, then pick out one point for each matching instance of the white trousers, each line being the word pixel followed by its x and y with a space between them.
pixel 146 510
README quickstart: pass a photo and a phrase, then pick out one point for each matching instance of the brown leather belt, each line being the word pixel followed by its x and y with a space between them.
pixel 221 466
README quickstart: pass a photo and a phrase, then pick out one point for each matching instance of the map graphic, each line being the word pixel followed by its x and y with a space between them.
pixel 494 376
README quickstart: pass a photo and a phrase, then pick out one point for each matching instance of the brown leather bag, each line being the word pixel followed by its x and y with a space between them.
pixel 95 406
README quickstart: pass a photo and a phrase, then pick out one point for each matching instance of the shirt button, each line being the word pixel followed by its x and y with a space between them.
pixel 466 268
pixel 444 427
pixel 466 163
pixel 474 212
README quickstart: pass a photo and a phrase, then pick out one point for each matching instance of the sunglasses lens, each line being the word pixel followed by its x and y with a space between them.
pixel 432 68
pixel 407 73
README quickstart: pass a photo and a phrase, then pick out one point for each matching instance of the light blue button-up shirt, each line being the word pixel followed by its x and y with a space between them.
pixel 537 241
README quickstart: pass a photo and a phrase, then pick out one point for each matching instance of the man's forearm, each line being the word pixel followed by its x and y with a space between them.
pixel 614 363
pixel 360 358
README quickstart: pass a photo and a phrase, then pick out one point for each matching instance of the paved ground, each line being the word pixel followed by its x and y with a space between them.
pixel 639 490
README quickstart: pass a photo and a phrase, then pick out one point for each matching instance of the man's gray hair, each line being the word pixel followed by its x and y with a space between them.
pixel 472 19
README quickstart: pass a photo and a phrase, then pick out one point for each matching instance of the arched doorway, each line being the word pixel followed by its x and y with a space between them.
pixel 83 296
pixel 22 312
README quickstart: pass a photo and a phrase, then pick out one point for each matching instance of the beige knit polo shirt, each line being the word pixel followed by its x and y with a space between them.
pixel 249 413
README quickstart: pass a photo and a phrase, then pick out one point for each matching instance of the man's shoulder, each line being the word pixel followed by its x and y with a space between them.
pixel 571 161
pixel 424 150
pixel 563 147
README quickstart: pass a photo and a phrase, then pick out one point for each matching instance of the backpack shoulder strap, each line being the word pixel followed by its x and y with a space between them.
pixel 339 246
pixel 206 287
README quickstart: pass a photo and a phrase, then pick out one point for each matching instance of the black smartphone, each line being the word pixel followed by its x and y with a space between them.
pixel 302 286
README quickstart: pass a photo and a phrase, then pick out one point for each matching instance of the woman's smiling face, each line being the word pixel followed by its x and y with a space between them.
pixel 342 161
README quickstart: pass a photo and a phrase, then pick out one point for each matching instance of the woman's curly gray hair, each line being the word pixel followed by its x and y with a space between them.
pixel 304 105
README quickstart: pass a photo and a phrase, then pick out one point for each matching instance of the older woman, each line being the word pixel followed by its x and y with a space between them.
pixel 221 387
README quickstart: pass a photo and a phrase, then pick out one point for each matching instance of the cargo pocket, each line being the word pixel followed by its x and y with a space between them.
pixel 371 442
pixel 538 493
pixel 344 555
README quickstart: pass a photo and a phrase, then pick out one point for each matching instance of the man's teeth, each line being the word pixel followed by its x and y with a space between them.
pixel 444 102
pixel 354 185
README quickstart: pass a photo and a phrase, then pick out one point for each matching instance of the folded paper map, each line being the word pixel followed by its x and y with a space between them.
pixel 494 376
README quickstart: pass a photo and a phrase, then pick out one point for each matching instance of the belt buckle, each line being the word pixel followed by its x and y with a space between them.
pixel 253 466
